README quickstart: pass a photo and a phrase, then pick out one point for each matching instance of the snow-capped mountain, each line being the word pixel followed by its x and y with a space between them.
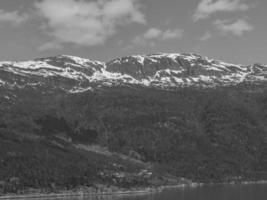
pixel 65 72
pixel 174 70
pixel 162 70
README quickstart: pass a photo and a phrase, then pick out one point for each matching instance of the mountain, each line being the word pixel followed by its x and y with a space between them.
pixel 75 74
pixel 181 70
pixel 69 122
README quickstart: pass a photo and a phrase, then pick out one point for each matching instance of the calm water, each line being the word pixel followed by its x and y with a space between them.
pixel 218 192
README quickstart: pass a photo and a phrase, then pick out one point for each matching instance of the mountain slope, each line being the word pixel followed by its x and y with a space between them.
pixel 75 74
pixel 159 118
pixel 174 70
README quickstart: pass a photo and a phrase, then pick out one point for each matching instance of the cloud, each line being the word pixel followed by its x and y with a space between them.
pixel 13 18
pixel 238 27
pixel 172 34
pixel 155 34
pixel 50 46
pixel 87 23
pixel 207 35
pixel 207 7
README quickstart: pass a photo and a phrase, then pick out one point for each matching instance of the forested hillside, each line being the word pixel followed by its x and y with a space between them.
pixel 200 134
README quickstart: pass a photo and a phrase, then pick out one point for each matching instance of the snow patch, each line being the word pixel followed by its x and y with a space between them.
pixel 83 61
pixel 140 59
pixel 80 90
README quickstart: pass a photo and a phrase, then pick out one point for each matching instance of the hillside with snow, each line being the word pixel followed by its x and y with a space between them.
pixel 166 71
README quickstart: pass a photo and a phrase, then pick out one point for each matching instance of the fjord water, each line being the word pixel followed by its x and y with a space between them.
pixel 215 192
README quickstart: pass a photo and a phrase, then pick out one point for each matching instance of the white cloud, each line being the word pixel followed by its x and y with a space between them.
pixel 207 35
pixel 207 7
pixel 172 34
pixel 87 23
pixel 238 27
pixel 155 34
pixel 13 18
pixel 50 46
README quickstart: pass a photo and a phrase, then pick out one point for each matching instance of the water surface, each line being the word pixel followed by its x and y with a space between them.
pixel 215 192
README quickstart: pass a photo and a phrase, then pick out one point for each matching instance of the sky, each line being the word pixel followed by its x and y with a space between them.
pixel 234 31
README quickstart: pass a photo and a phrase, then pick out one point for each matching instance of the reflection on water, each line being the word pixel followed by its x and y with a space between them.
pixel 217 192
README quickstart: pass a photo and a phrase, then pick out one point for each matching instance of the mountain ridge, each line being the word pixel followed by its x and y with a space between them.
pixel 163 70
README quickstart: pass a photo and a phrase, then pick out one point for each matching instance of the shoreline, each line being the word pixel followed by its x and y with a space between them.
pixel 119 192
pixel 81 193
